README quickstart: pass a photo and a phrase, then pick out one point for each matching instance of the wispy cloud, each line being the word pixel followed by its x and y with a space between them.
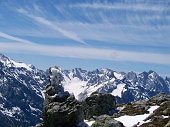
pixel 127 22
pixel 86 53
pixel 68 34
pixel 54 26
pixel 149 28
pixel 29 47
pixel 121 6
pixel 9 37
pixel 122 34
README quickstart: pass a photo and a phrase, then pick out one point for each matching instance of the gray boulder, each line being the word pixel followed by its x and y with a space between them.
pixel 63 114
pixel 106 121
pixel 98 104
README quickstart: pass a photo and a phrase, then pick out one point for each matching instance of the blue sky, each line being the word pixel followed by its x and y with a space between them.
pixel 124 35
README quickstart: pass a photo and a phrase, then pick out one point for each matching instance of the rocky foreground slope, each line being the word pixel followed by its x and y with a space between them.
pixel 152 113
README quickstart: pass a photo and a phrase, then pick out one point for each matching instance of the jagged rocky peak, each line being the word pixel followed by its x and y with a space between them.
pixel 5 60
pixel 2 56
pixel 131 76
pixel 167 80
pixel 128 86
pixel 149 74
pixel 143 74
pixel 153 74
pixel 21 88
pixel 8 62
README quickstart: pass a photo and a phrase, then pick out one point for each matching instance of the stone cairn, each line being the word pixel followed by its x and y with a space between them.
pixel 61 109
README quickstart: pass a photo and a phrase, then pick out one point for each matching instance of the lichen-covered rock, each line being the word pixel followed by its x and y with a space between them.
pixel 63 114
pixel 98 104
pixel 106 121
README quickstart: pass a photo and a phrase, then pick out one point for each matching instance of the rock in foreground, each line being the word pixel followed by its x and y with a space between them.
pixel 68 113
pixel 98 104
pixel 60 108
pixel 106 121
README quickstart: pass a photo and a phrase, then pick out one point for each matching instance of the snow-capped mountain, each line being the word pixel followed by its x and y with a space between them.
pixel 126 86
pixel 21 86
pixel 20 93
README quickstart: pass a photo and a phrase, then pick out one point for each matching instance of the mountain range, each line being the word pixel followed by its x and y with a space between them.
pixel 126 87
pixel 20 93
pixel 21 88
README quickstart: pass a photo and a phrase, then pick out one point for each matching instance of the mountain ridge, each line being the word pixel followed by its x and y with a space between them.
pixel 21 88
pixel 106 80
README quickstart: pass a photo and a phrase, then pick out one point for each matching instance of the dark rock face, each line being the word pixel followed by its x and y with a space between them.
pixel 60 108
pixel 63 114
pixel 98 104
pixel 106 121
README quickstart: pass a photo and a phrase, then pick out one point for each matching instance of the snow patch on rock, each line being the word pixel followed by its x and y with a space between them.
pixel 120 89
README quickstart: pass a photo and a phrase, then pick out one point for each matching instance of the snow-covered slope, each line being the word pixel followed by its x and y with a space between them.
pixel 126 86
pixel 20 93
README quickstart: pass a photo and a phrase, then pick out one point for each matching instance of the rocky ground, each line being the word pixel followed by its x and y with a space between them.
pixel 140 114
pixel 159 118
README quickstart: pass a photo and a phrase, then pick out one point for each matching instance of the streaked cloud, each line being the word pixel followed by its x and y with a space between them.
pixel 54 26
pixel 146 28
pixel 86 53
pixel 123 22
pixel 120 6
pixel 68 34
pixel 9 37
